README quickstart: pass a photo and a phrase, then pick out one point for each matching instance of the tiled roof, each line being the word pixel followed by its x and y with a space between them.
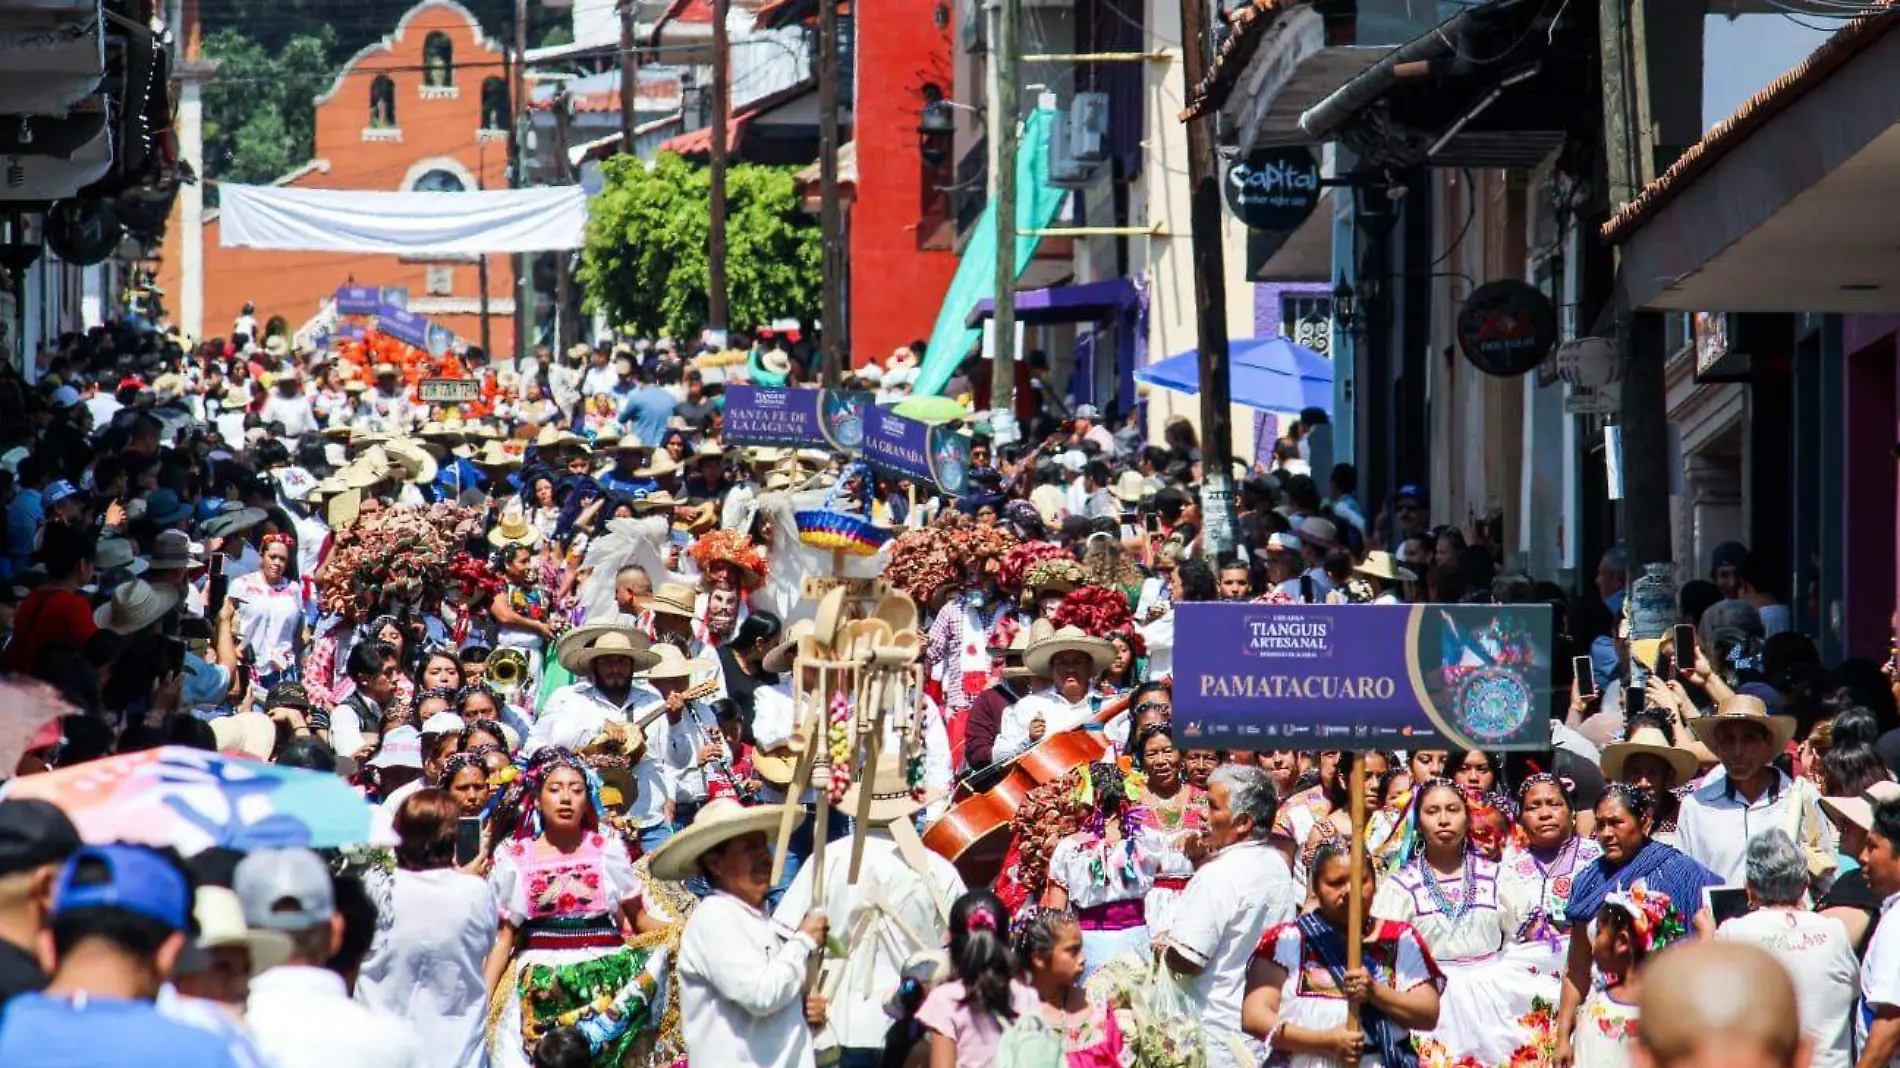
pixel 1247 27
pixel 1777 97
pixel 694 144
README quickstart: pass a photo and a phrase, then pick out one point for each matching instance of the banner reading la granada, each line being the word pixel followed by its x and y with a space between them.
pixel 799 418
pixel 907 446
pixel 1360 676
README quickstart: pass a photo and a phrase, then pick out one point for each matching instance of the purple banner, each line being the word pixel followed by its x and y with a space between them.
pixel 358 300
pixel 1362 676
pixel 404 326
pixel 906 446
pixel 799 418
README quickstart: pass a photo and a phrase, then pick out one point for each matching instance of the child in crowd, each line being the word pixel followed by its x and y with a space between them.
pixel 1049 947
pixel 966 1017
pixel 1626 931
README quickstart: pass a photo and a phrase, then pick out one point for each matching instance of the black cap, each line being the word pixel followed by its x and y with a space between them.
pixel 33 834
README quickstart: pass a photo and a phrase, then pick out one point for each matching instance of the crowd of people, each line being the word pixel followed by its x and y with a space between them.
pixel 557 631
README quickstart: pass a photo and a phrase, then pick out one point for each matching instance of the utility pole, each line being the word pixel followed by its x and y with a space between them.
pixel 1003 115
pixel 564 325
pixel 837 333
pixel 716 223
pixel 1210 299
pixel 518 177
pixel 629 79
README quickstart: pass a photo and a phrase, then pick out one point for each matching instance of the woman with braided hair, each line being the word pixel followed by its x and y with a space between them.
pixel 1105 871
pixel 565 891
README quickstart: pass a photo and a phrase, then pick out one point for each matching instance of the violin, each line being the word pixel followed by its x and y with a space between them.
pixel 975 819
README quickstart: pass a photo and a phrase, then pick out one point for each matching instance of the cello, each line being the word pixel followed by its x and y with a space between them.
pixel 976 819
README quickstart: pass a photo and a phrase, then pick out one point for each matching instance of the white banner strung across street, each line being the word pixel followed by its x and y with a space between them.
pixel 542 219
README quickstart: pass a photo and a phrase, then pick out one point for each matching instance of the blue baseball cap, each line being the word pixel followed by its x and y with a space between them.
pixel 59 491
pixel 1410 491
pixel 137 879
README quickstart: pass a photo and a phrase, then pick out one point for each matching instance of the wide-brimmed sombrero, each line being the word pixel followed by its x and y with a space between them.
pixel 719 821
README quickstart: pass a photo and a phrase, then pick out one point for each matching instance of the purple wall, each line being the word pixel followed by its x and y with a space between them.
pixel 1266 302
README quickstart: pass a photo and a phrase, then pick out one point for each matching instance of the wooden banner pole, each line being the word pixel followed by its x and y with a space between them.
pixel 1356 894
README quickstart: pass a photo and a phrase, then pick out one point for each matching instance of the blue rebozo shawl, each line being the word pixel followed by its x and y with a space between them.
pixel 1657 866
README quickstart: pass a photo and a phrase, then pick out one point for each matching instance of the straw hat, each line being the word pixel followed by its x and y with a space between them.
pixel 1859 811
pixel 660 466
pixel 673 664
pixel 779 659
pixel 513 528
pixel 719 821
pixel 173 550
pixel 580 647
pixel 495 454
pixel 661 501
pixel 234 521
pixel 1130 487
pixel 117 553
pixel 1653 742
pixel 1382 565
pixel 1742 707
pixel 417 465
pixel 250 734
pixel 891 798
pixel 707 449
pixel 1050 503
pixel 136 605
pixel 1046 644
pixel 220 915
pixel 671 599
pixel 553 438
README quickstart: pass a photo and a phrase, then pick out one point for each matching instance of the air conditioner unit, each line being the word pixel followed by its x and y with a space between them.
pixel 1088 127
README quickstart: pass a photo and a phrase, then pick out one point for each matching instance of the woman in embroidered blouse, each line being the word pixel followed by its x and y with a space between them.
pixel 1104 871
pixel 1631 858
pixel 1176 812
pixel 271 611
pixel 1299 989
pixel 1451 896
pixel 1540 869
pixel 567 897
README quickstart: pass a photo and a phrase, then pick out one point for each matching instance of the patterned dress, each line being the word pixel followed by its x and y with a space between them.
pixel 1606 1027
pixel 574 967
pixel 1310 996
pixel 1542 945
pixel 1171 825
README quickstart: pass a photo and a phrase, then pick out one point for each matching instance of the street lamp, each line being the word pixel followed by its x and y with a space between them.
pixel 1345 306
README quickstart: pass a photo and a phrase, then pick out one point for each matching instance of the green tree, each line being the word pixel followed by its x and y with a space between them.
pixel 645 266
pixel 260 109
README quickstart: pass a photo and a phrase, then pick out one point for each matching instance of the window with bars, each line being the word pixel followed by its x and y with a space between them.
pixel 1307 320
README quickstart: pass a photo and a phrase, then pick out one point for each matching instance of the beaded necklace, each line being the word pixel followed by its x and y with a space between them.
pixel 1453 911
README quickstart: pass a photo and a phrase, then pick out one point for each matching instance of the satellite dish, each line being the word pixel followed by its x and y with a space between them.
pixel 83 232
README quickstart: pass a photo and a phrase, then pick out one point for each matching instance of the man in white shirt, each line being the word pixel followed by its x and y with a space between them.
pixel 685 751
pixel 741 974
pixel 902 894
pixel 1877 1024
pixel 1072 660
pixel 1815 949
pixel 289 405
pixel 1749 795
pixel 605 656
pixel 1244 888
pixel 301 1012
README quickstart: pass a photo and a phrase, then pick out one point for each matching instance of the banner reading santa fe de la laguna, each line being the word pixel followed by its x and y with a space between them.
pixel 1356 676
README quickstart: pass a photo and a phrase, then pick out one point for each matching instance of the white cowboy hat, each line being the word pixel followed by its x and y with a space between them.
pixel 1130 487
pixel 513 528
pixel 1382 565
pixel 250 734
pixel 1046 643
pixel 891 798
pixel 660 501
pixel 417 465
pixel 1744 708
pixel 220 915
pixel 660 466
pixel 1859 811
pixel 671 599
pixel 496 454
pixel 1049 503
pixel 580 647
pixel 776 362
pixel 673 664
pixel 1653 742
pixel 719 821
pixel 136 605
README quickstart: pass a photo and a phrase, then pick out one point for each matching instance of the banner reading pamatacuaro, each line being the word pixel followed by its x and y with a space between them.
pixel 1260 676
pixel 799 418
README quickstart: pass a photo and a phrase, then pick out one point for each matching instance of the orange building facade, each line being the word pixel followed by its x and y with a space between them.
pixel 425 109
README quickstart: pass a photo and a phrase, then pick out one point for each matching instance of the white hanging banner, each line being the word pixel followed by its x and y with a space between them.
pixel 540 219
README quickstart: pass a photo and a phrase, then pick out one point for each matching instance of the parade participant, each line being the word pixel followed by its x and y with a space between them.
pixel 563 887
pixel 741 976
pixel 1241 890
pixel 1072 660
pixel 271 612
pixel 301 1011
pixel 465 777
pixel 1048 948
pixel 120 919
pixel 987 711
pixel 1629 927
pixel 606 656
pixel 524 610
pixel 889 904
pixel 956 649
pixel 1477 772
pixel 434 927
pixel 1104 871
pixel 741 661
pixel 1336 824
pixel 1718 1003
pixel 686 749
pixel 1306 809
pixel 1630 857
pixel 673 611
pixel 1716 816
pixel 1539 868
pixel 1451 896
pixel 731 566
pixel 1649 760
pixel 1299 987
pixel 1175 811
pixel 1877 1024
pixel 967 1015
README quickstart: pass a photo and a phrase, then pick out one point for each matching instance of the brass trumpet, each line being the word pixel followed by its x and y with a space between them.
pixel 506 670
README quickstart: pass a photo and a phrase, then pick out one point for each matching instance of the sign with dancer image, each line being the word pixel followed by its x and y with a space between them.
pixel 796 418
pixel 1361 676
pixel 934 452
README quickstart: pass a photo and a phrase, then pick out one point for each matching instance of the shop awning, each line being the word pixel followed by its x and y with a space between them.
pixel 1787 205
pixel 1083 303
pixel 1268 373
pixel 1036 204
